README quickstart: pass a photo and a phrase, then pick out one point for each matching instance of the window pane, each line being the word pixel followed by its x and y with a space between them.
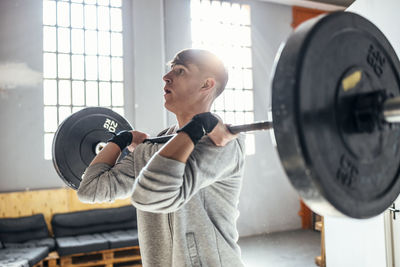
pixel 63 66
pixel 103 16
pixel 63 113
pixel 91 42
pixel 77 41
pixel 236 79
pixel 229 100
pixel 105 94
pixel 244 36
pixel 104 43
pixel 235 9
pixel 64 92
pixel 90 2
pixel 249 117
pixel 50 119
pixel 116 44
pixel 245 15
pixel 238 98
pixel 62 14
pixel 229 117
pixel 77 15
pixel 63 40
pixel 116 3
pixel 91 94
pixel 104 68
pixel 239 118
pixel 116 19
pixel 117 69
pixel 49 92
pixel 90 17
pixel 49 12
pixel 247 79
pixel 103 2
pixel 246 57
pixel 49 65
pixel 48 145
pixel 76 109
pixel 78 71
pixel 117 94
pixel 78 93
pixel 248 100
pixel 77 1
pixel 49 39
pixel 120 111
pixel 91 67
pixel 219 103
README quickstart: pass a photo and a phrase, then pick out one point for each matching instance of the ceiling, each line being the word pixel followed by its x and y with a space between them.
pixel 328 5
pixel 344 3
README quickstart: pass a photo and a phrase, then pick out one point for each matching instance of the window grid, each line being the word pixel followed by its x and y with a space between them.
pixel 225 29
pixel 79 72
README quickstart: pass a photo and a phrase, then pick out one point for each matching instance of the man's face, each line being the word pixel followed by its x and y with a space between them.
pixel 182 91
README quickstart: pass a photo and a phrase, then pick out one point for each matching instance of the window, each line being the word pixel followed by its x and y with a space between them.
pixel 225 29
pixel 82 59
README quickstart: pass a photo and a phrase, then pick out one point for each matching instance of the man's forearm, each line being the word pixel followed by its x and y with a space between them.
pixel 109 155
pixel 178 148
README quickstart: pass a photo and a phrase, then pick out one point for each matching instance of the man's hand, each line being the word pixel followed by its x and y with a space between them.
pixel 137 138
pixel 220 135
pixel 110 153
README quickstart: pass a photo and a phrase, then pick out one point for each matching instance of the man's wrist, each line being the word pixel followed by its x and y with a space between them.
pixel 122 139
pixel 200 125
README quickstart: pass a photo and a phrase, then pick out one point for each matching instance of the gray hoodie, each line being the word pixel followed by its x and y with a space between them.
pixel 186 212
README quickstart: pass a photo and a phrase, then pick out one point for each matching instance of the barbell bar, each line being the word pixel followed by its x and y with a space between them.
pixel 335 117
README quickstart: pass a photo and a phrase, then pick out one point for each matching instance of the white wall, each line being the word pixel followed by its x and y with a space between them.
pixel 351 242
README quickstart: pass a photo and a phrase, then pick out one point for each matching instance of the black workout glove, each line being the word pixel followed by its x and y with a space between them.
pixel 200 125
pixel 122 139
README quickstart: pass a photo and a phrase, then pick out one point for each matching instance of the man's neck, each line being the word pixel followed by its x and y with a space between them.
pixel 184 118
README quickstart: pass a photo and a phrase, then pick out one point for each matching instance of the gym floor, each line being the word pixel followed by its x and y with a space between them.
pixel 284 249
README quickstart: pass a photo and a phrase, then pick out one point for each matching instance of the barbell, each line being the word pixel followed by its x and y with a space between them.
pixel 335 114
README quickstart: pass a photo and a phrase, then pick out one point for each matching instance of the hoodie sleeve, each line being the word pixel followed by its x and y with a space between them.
pixel 104 183
pixel 164 185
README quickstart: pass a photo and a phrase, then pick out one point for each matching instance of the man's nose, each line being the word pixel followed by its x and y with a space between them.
pixel 167 78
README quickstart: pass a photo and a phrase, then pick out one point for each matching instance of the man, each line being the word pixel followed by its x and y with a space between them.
pixel 186 191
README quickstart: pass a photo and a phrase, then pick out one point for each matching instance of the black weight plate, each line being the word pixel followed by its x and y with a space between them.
pixel 325 62
pixel 76 138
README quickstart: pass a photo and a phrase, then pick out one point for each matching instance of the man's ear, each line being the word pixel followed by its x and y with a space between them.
pixel 208 84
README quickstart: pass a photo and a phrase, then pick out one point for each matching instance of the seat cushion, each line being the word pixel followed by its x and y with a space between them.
pixel 21 229
pixel 43 242
pixel 19 255
pixel 13 263
pixel 93 221
pixel 80 244
pixel 122 238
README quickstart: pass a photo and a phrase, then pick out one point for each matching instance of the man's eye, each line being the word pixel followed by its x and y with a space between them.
pixel 179 71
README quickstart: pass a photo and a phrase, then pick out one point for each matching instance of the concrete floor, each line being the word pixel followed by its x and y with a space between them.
pixel 285 249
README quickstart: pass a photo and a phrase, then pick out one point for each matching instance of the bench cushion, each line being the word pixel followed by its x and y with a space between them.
pixel 80 244
pixel 13 263
pixel 122 238
pixel 19 255
pixel 43 242
pixel 94 221
pixel 21 229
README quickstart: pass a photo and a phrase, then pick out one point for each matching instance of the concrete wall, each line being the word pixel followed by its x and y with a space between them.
pixel 351 242
pixel 154 30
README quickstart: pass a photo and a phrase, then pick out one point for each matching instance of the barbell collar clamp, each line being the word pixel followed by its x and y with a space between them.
pixel 391 110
